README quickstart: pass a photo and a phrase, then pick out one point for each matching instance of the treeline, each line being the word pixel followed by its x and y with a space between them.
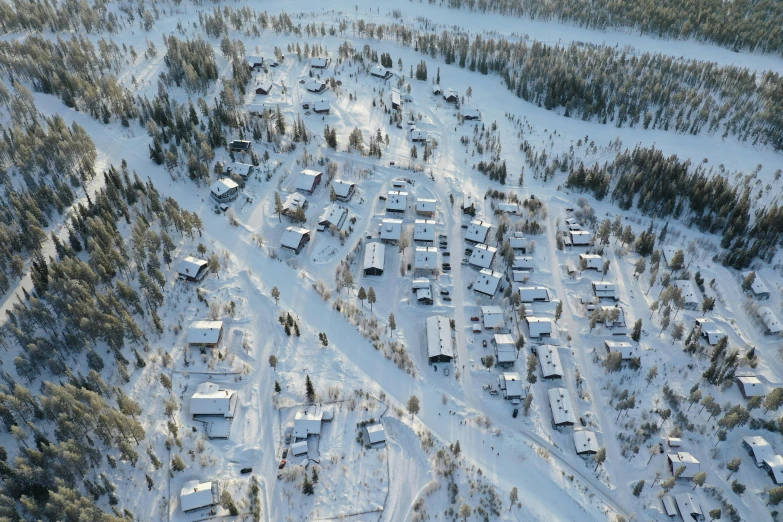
pixel 756 25
pixel 51 159
pixel 48 15
pixel 666 187
pixel 73 71
pixel 191 63
pixel 82 302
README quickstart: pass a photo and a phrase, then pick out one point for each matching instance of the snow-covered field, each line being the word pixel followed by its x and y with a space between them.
pixel 368 369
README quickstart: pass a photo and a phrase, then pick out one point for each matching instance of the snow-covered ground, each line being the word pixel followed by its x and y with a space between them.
pixel 358 376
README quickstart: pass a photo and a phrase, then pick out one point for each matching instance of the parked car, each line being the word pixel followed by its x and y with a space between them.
pixel 305 105
pixel 285 453
pixel 301 80
pixel 515 413
pixel 470 285
pixel 281 465
pixel 484 343
pixel 447 254
pixel 447 298
pixel 464 226
pixel 444 292
pixel 474 319
pixel 382 198
pixel 446 268
pixel 582 420
pixel 468 251
pixel 245 471
pixel 569 209
pixel 493 392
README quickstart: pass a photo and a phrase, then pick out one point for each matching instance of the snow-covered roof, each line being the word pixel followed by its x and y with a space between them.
pixel 395 98
pixel 605 289
pixel 751 386
pixel 195 495
pixel 562 409
pixel 307 180
pixel 518 243
pixel 512 385
pixel 421 282
pixel 774 465
pixel 306 424
pixel 510 208
pixel 318 61
pixel 770 320
pixel 418 134
pixel 669 506
pixel 505 348
pixel 294 201
pixel 482 256
pixel 487 282
pixel 424 294
pixel 334 215
pixel 539 326
pixel 222 186
pixel 474 114
pixel 688 292
pixel 342 188
pixel 321 106
pixel 585 442
pixel 426 258
pixel 204 332
pixel 492 316
pixel 549 358
pixel 253 60
pixel 425 205
pixel 523 263
pixel 396 201
pixel 191 266
pixel 467 200
pixel 299 448
pixel 688 507
pixel 520 276
pixel 436 89
pixel 374 255
pixel 710 330
pixel 391 229
pixel 292 236
pixel 379 71
pixel 424 230
pixel 620 321
pixel 683 459
pixel 580 237
pixel 210 399
pixel 315 86
pixel 669 252
pixel 376 433
pixel 759 288
pixel 758 447
pixel 528 294
pixel 592 260
pixel 627 350
pixel 439 337
pixel 449 93
pixel 477 231
pixel 264 85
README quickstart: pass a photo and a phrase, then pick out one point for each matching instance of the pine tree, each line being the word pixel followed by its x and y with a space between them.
pixel 307 486
pixel 392 322
pixel 278 388
pixel 309 389
pixel 362 295
pixel 276 294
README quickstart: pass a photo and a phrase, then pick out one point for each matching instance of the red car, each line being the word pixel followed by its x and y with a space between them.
pixel 282 464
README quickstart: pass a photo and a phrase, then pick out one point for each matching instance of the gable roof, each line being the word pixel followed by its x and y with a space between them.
pixel 294 201
pixel 688 291
pixel 562 409
pixel 424 230
pixel 439 337
pixel 190 266
pixel 334 215
pixel 374 255
pixel 627 350
pixel 539 325
pixel 487 282
pixel 513 384
pixel 319 61
pixel 376 433
pixel 342 188
pixel 770 320
pixel 426 258
pixel 425 205
pixel 492 316
pixel 307 180
pixel 396 200
pixel 204 332
pixel 549 358
pixel 751 386
pixel 292 236
pixel 482 256
pixel 222 186
pixel 758 287
pixel 195 495
pixel 306 424
pixel 264 85
pixel 391 229
pixel 585 441
pixel 477 231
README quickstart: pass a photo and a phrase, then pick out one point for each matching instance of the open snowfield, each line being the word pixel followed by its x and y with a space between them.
pixel 369 369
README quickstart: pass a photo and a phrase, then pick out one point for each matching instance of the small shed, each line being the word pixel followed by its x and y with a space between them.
pixel 750 386
pixel 471 114
pixel 318 62
pixel 299 448
pixel 710 330
pixel 770 321
pixel 321 107
pixel 380 72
